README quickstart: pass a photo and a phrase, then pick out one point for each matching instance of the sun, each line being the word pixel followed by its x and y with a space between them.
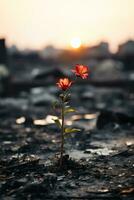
pixel 75 43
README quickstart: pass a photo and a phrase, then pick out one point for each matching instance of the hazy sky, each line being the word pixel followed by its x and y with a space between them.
pixel 36 23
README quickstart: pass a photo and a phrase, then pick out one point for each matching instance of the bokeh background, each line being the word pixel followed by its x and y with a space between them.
pixel 40 39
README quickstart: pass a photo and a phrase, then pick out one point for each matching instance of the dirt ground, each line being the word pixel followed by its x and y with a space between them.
pixel 99 160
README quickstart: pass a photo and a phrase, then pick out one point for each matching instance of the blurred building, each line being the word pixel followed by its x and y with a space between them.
pixel 108 69
pixel 50 52
pixel 3 52
pixel 13 49
pixel 126 54
pixel 99 51
pixel 4 72
pixel 126 48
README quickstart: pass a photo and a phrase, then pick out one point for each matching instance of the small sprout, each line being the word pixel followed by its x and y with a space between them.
pixel 64 84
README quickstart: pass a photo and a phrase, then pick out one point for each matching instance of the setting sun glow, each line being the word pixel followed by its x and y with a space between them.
pixel 75 43
pixel 48 22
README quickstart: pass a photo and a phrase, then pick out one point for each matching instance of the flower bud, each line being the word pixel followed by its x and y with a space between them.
pixel 61 96
pixel 67 97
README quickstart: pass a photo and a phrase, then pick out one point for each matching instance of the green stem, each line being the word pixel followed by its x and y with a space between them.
pixel 62 133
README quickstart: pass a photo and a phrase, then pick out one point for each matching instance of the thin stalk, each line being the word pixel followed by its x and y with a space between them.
pixel 62 133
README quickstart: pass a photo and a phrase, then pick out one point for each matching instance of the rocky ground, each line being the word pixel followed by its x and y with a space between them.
pixel 99 160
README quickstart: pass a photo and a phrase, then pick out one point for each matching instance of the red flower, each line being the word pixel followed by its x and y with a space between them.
pixel 64 83
pixel 81 70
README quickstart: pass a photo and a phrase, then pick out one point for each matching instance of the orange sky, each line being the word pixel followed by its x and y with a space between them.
pixel 37 23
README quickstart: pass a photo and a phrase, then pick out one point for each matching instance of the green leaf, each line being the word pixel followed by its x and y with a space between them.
pixel 66 97
pixel 66 103
pixel 57 122
pixel 72 130
pixel 67 106
pixel 69 109
pixel 54 104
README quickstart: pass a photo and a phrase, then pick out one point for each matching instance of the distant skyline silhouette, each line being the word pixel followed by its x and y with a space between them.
pixel 36 23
